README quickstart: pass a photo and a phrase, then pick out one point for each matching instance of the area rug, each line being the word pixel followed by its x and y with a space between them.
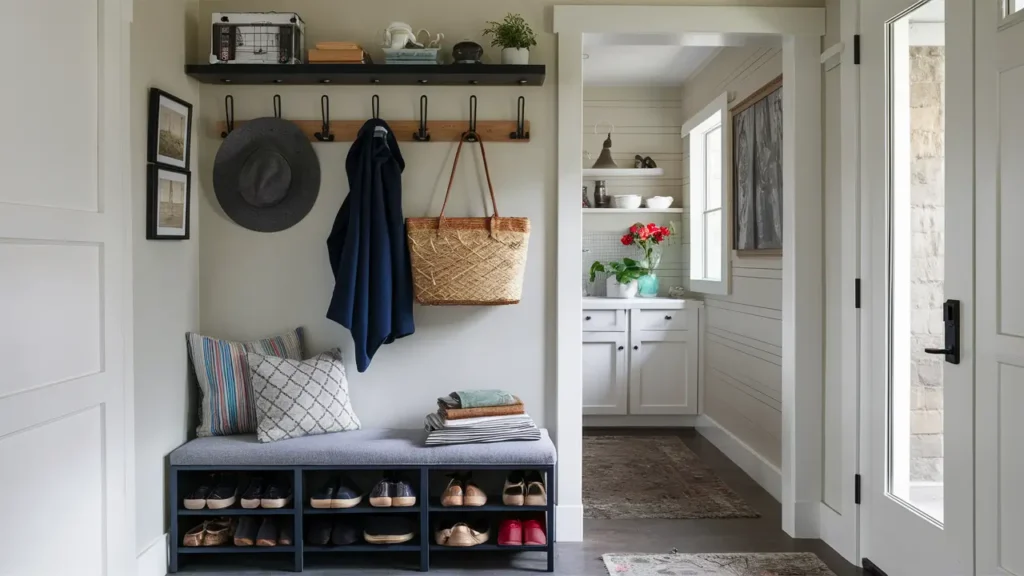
pixel 774 564
pixel 653 477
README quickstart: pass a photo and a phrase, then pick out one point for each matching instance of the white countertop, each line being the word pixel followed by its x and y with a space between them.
pixel 639 304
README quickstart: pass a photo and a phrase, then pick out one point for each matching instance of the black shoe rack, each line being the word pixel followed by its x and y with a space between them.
pixel 428 481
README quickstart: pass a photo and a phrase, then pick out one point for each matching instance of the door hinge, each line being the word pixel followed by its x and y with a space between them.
pixel 856 293
pixel 856 49
pixel 856 489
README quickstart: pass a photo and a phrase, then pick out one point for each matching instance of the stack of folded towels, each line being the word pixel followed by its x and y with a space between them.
pixel 469 416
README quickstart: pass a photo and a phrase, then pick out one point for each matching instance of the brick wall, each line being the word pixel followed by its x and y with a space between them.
pixel 927 148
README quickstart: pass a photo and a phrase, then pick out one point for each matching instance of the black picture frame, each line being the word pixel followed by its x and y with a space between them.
pixel 155 229
pixel 173 116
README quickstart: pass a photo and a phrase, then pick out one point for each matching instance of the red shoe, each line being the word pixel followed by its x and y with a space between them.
pixel 533 534
pixel 510 533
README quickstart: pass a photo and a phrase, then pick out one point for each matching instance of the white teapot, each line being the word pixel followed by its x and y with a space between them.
pixel 399 35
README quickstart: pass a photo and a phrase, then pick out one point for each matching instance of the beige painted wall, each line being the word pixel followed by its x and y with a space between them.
pixel 166 273
pixel 743 354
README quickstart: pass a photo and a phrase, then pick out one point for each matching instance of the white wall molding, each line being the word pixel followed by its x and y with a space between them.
pixel 153 560
pixel 756 466
pixel 569 519
pixel 682 19
pixel 802 287
pixel 629 421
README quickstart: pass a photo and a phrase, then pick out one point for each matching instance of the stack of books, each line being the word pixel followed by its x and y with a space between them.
pixel 338 53
pixel 479 416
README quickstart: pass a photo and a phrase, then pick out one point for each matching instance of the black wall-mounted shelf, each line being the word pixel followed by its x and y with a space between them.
pixel 370 74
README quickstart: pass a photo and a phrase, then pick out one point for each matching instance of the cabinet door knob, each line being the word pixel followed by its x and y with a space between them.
pixel 587 318
pixel 622 347
pixel 668 317
pixel 636 347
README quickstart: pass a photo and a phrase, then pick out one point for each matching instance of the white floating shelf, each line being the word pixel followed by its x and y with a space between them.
pixel 632 211
pixel 603 173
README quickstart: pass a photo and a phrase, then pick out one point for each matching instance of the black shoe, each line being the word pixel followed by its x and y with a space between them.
pixel 196 499
pixel 267 534
pixel 324 495
pixel 402 494
pixel 224 494
pixel 276 496
pixel 253 493
pixel 247 530
pixel 380 496
pixel 388 529
pixel 344 533
pixel 346 493
pixel 318 532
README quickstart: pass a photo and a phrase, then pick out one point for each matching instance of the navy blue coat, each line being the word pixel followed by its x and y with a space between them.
pixel 368 248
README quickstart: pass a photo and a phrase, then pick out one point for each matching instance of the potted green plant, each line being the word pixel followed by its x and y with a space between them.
pixel 623 276
pixel 514 36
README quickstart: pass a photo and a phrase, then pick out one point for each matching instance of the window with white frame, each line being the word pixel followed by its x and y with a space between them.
pixel 709 144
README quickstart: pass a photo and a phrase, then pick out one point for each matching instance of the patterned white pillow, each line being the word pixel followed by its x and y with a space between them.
pixel 296 398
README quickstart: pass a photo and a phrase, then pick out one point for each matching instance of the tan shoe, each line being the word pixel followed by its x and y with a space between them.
pixel 462 535
pixel 536 493
pixel 514 492
pixel 474 495
pixel 453 495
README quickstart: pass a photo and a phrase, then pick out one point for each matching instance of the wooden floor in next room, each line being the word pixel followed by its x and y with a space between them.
pixel 603 536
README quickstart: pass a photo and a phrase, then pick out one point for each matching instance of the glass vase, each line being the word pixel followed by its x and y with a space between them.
pixel 648 284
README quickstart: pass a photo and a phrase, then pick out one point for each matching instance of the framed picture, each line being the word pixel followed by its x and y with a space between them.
pixel 757 172
pixel 170 130
pixel 168 201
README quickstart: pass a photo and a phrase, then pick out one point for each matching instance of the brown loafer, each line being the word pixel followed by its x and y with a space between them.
pixel 267 535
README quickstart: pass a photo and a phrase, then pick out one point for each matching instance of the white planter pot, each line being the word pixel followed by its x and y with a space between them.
pixel 616 290
pixel 515 56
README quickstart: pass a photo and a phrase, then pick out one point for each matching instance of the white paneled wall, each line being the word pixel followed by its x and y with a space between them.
pixel 647 121
pixel 743 354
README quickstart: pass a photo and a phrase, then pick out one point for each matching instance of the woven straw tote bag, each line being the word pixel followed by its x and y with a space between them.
pixel 468 261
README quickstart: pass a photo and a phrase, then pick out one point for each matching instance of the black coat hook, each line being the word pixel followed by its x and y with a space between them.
pixel 324 135
pixel 277 105
pixel 520 133
pixel 375 106
pixel 422 135
pixel 471 135
pixel 229 115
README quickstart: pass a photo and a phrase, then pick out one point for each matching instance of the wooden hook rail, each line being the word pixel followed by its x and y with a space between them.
pixel 439 130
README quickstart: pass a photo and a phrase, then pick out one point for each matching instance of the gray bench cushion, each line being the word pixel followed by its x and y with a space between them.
pixel 380 447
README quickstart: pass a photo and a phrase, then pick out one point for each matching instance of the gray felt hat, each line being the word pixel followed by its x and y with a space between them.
pixel 266 175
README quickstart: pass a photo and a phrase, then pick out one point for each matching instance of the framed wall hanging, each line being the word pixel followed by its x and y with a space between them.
pixel 168 203
pixel 170 130
pixel 757 172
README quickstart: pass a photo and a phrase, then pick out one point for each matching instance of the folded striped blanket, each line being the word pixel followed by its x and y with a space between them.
pixel 491 429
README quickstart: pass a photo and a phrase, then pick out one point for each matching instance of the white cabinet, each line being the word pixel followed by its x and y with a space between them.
pixel 663 373
pixel 605 377
pixel 650 369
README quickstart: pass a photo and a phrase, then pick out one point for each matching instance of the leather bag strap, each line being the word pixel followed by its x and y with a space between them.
pixel 455 165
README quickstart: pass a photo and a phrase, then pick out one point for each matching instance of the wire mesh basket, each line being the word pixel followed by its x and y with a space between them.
pixel 257 38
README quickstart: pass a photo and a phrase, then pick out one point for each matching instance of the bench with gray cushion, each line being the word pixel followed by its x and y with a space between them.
pixel 366 450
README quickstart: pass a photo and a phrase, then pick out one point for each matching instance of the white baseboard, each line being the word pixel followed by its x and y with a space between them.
pixel 756 466
pixel 807 520
pixel 569 527
pixel 632 421
pixel 153 560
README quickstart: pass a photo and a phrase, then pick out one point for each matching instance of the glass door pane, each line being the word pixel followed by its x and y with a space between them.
pixel 916 124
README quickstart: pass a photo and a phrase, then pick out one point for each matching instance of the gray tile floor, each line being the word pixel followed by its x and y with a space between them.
pixel 603 536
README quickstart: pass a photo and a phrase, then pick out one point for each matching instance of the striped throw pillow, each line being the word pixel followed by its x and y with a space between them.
pixel 228 405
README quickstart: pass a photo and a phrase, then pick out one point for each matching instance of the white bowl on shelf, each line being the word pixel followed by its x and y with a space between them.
pixel 628 201
pixel 660 202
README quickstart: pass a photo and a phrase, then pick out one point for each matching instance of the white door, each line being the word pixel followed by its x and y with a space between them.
pixel 65 299
pixel 999 395
pixel 662 372
pixel 604 373
pixel 917 515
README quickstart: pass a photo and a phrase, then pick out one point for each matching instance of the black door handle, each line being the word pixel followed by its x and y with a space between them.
pixel 622 347
pixel 951 320
pixel 636 347
pixel 668 317
pixel 587 318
